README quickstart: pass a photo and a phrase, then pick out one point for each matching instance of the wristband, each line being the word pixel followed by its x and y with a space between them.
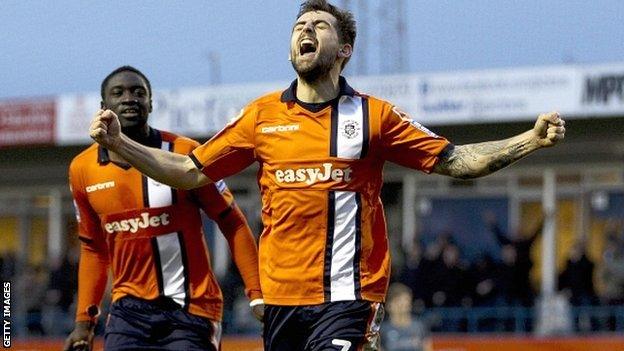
pixel 256 302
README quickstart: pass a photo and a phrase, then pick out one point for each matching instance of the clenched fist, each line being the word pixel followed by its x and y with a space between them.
pixel 81 338
pixel 549 129
pixel 105 129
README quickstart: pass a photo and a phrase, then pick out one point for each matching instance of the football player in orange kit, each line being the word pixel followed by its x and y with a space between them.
pixel 165 295
pixel 321 146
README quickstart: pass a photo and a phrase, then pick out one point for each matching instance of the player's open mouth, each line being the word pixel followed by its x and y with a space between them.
pixel 307 46
pixel 130 111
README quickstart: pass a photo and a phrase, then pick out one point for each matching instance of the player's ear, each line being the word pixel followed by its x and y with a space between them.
pixel 345 51
pixel 150 106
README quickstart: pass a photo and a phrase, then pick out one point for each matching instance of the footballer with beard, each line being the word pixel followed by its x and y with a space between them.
pixel 323 255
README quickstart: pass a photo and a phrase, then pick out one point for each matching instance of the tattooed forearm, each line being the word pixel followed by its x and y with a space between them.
pixel 477 160
pixel 507 156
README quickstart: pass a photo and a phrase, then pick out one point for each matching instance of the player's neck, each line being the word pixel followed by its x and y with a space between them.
pixel 321 90
pixel 140 135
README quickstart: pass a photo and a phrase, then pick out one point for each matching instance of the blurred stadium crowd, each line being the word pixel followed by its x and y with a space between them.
pixel 451 291
pixel 446 286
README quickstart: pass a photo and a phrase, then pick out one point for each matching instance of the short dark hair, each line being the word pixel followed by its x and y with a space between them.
pixel 346 22
pixel 125 69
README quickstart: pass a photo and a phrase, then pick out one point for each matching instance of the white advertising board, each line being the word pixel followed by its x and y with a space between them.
pixel 465 97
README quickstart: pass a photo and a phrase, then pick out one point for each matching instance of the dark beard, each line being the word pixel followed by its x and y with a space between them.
pixel 317 71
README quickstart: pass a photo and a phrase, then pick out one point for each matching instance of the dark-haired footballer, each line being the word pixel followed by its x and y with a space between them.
pixel 149 235
pixel 321 147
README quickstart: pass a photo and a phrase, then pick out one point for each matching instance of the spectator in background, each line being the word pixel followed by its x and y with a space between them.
pixel 613 264
pixel 451 287
pixel 576 280
pixel 403 331
pixel 413 273
pixel 508 278
pixel 63 279
pixel 431 266
pixel 521 245
pixel 483 281
pixel 33 285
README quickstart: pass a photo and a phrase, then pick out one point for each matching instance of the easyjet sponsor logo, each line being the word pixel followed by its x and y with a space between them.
pixel 132 225
pixel 313 175
pixel 100 186
pixel 280 128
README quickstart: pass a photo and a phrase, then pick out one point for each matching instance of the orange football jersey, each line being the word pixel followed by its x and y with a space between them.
pixel 151 232
pixel 320 176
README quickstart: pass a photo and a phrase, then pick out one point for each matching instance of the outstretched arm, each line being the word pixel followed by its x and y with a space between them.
pixel 166 167
pixel 480 159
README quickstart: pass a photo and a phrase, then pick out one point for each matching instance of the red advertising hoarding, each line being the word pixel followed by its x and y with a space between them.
pixel 27 122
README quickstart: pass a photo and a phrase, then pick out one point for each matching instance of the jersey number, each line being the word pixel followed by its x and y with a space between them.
pixel 344 343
